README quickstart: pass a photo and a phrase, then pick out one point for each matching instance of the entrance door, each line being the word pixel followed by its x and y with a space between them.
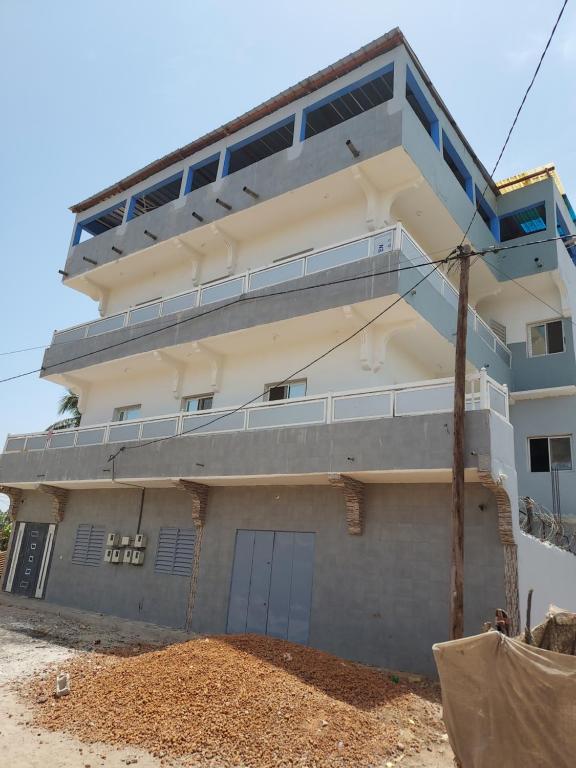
pixel 271 590
pixel 29 562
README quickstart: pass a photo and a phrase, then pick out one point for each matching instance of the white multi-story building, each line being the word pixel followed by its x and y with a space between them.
pixel 265 443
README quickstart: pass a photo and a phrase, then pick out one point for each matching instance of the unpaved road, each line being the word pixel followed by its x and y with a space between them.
pixel 34 635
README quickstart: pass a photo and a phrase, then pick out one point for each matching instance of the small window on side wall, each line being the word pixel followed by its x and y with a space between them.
pixel 546 338
pixel 286 390
pixel 194 403
pixel 126 412
pixel 548 453
pixel 202 174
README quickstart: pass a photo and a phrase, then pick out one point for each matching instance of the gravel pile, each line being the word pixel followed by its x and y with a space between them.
pixel 244 701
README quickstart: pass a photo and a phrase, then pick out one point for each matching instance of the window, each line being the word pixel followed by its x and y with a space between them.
pixel 548 453
pixel 359 97
pixel 126 412
pixel 286 390
pixel 487 214
pixel 164 192
pixel 264 144
pixel 563 231
pixel 546 338
pixel 454 162
pixel 175 552
pixel 202 174
pixel 424 112
pixel 88 544
pixel 198 403
pixel 99 223
pixel 523 222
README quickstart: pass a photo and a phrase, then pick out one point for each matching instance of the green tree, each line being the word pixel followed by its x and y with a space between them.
pixel 68 407
pixel 5 528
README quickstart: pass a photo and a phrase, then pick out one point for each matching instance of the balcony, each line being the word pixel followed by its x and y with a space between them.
pixel 364 267
pixel 430 397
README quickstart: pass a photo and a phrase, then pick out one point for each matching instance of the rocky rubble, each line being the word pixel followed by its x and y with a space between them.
pixel 243 701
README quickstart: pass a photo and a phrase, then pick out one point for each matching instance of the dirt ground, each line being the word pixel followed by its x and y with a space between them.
pixel 34 635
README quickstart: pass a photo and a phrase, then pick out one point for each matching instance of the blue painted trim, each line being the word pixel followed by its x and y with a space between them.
pixel 147 191
pixel 198 167
pixel 494 220
pixel 459 163
pixel 81 224
pixel 424 106
pixel 527 208
pixel 254 137
pixel 343 91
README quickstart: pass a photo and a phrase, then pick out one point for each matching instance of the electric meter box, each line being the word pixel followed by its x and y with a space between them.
pixel 108 556
pixel 116 556
pixel 139 541
pixel 127 555
pixel 137 556
pixel 112 540
pixel 125 541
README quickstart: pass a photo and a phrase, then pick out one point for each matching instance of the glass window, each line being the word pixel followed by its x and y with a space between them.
pixel 546 338
pixel 522 223
pixel 550 453
pixel 126 412
pixel 198 403
pixel 286 390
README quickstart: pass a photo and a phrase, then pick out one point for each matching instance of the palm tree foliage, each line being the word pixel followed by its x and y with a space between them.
pixel 68 406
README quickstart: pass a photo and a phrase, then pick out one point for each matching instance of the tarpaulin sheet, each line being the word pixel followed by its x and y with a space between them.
pixel 508 704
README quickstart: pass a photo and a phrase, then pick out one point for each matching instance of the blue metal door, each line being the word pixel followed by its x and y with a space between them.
pixel 271 590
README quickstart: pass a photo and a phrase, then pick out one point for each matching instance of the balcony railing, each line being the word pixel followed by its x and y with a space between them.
pixel 384 241
pixel 426 397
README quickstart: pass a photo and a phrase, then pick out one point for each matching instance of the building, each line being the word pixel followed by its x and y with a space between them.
pixel 265 442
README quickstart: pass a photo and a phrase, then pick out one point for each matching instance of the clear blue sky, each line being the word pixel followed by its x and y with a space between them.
pixel 92 91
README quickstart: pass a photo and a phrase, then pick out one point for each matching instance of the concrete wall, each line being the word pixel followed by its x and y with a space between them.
pixel 400 443
pixel 550 572
pixel 135 592
pixel 381 598
pixel 544 418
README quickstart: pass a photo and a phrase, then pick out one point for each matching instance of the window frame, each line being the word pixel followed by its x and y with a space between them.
pixel 198 167
pixel 121 408
pixel 422 102
pixel 522 210
pixel 163 183
pixel 568 436
pixel 81 224
pixel 275 385
pixel 449 148
pixel 482 203
pixel 203 396
pixel 256 137
pixel 385 70
pixel 545 323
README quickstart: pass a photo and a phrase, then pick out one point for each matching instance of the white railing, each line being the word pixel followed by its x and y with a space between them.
pixel 425 397
pixel 346 252
pixel 319 260
pixel 415 255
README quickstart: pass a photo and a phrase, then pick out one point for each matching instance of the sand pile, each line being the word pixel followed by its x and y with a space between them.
pixel 243 700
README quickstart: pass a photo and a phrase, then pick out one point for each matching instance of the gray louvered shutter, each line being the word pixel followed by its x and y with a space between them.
pixel 88 544
pixel 175 552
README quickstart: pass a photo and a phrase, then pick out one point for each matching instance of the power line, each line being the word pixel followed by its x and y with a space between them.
pixel 291 375
pixel 242 298
pixel 24 349
pixel 519 110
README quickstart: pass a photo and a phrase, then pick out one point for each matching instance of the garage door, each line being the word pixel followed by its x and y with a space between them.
pixel 271 588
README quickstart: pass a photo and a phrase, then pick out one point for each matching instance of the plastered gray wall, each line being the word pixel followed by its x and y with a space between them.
pixel 382 597
pixel 545 417
pixel 134 592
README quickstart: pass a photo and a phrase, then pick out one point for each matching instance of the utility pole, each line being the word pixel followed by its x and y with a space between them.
pixel 457 560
